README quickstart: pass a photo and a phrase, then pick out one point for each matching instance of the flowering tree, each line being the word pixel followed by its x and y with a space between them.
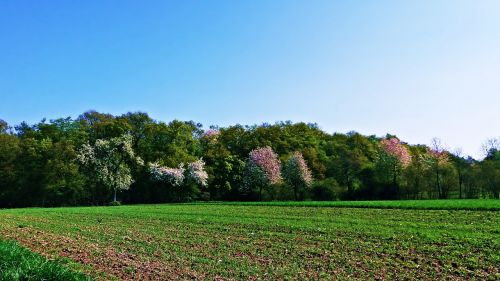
pixel 394 148
pixel 108 161
pixel 393 160
pixel 296 173
pixel 174 176
pixel 211 134
pixel 263 168
pixel 195 174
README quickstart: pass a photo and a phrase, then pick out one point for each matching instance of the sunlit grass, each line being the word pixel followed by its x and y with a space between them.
pixel 449 204
pixel 18 263
pixel 262 241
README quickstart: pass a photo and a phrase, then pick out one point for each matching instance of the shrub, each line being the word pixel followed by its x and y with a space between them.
pixel 325 190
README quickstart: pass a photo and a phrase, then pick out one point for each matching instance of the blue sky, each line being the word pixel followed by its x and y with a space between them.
pixel 417 69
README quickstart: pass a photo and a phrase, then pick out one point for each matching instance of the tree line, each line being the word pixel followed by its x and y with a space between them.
pixel 97 158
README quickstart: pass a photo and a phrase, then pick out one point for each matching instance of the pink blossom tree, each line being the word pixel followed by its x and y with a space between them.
pixel 394 148
pixel 211 134
pixel 263 168
pixel 297 174
pixel 395 157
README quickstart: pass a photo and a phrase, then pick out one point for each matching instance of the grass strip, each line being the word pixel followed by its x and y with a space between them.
pixel 18 263
pixel 449 204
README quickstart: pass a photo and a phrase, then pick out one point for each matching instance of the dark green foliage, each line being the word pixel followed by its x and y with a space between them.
pixel 38 167
pixel 326 190
pixel 17 263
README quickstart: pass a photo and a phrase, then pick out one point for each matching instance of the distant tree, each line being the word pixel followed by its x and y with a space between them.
pixel 102 126
pixel 3 126
pixel 297 174
pixel 211 134
pixel 224 166
pixel 138 122
pixel 173 176
pixel 438 158
pixel 196 181
pixel 396 149
pixel 461 164
pixel 490 147
pixel 10 171
pixel 109 161
pixel 397 157
pixel 62 180
pixel 38 167
pixel 197 172
pixel 188 180
pixel 352 158
pixel 263 168
pixel 489 176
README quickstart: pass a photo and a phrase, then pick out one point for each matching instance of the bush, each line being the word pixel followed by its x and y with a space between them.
pixel 115 203
pixel 325 190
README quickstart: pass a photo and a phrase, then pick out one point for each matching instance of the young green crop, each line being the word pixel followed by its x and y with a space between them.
pixel 17 263
pixel 241 241
pixel 451 204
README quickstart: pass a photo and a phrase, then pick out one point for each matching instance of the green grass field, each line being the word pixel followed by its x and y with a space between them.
pixel 268 241
pixel 450 204
pixel 17 263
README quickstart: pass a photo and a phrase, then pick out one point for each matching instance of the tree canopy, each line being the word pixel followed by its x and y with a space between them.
pixel 84 161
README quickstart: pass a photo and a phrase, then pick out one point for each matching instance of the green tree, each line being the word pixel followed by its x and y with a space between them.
pixel 9 170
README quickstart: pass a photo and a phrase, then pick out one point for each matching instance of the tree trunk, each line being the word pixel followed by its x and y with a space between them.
pixel 114 197
pixel 395 182
pixel 438 186
pixel 460 180
pixel 348 183
pixel 295 193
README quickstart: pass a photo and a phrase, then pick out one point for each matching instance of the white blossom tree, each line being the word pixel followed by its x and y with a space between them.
pixel 176 176
pixel 109 162
pixel 186 179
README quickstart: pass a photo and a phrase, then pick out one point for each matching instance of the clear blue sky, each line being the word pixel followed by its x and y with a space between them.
pixel 418 69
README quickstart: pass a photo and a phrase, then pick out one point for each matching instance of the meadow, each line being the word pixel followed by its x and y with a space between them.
pixel 450 204
pixel 455 239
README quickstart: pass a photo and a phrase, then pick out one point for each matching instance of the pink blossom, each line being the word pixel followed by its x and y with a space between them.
pixel 304 170
pixel 268 161
pixel 440 156
pixel 296 170
pixel 394 148
pixel 211 134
